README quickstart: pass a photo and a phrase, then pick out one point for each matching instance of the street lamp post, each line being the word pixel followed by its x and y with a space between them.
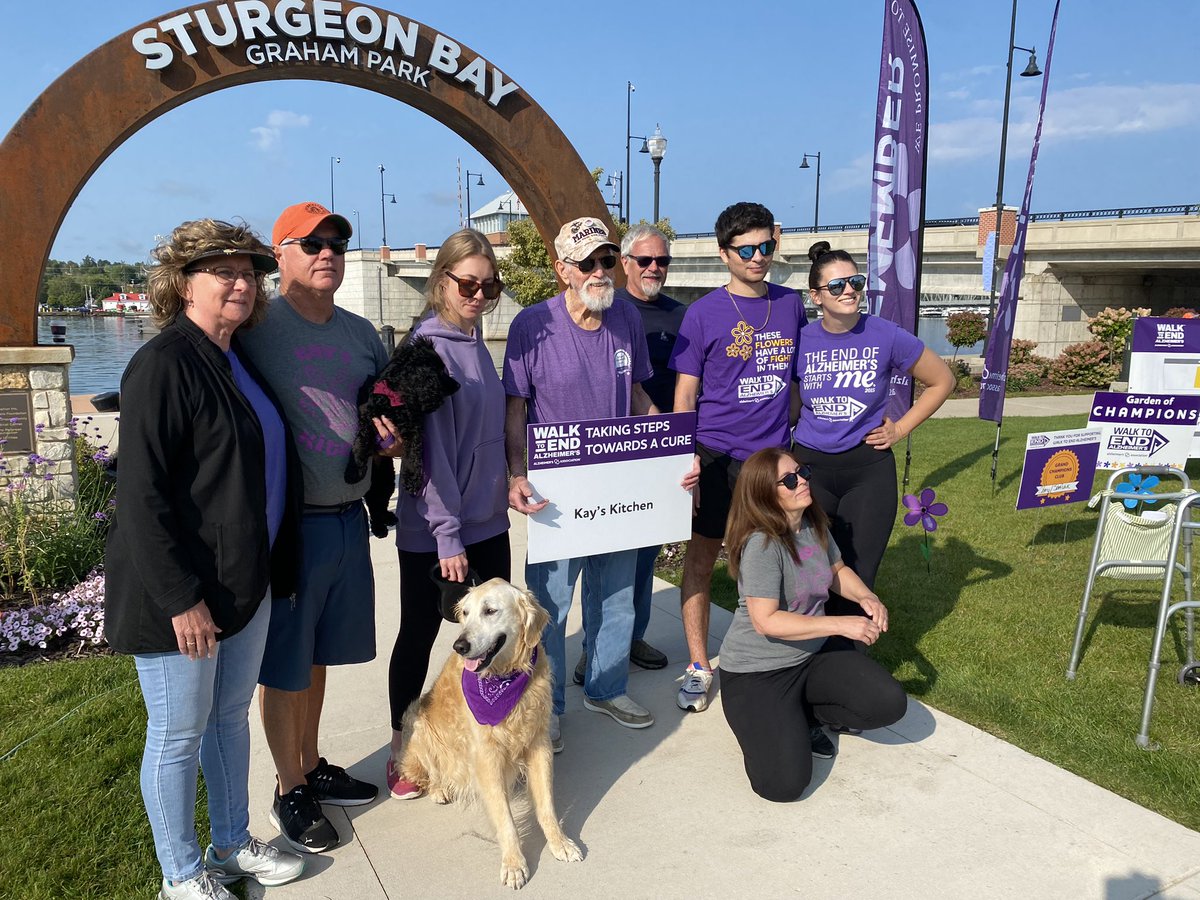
pixel 657 147
pixel 816 206
pixel 357 227
pixel 629 136
pixel 1031 71
pixel 383 208
pixel 332 160
pixel 620 180
pixel 480 183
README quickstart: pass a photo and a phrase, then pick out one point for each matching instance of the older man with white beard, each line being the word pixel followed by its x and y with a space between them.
pixel 576 356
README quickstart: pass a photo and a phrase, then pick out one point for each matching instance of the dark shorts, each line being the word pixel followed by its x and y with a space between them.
pixel 718 474
pixel 331 621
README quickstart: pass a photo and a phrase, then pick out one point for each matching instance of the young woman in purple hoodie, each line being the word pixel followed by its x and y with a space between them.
pixel 459 520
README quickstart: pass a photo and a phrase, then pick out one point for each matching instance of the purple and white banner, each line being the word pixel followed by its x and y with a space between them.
pixel 898 181
pixel 999 345
pixel 1059 467
pixel 1144 429
pixel 612 484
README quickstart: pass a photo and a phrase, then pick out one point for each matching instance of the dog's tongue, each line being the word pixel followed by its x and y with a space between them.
pixel 471 664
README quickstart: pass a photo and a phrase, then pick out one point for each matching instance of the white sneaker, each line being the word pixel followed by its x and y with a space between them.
pixel 267 865
pixel 202 887
pixel 556 741
pixel 623 710
pixel 693 695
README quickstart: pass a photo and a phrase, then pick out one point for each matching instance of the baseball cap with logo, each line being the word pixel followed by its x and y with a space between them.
pixel 578 239
pixel 303 219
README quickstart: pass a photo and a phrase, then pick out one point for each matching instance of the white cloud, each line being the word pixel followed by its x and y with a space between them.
pixel 268 136
pixel 960 94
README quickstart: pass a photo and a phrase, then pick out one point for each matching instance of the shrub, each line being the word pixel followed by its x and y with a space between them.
pixel 1021 351
pixel 965 329
pixel 1112 327
pixel 1180 312
pixel 1084 365
pixel 1024 375
pixel 962 374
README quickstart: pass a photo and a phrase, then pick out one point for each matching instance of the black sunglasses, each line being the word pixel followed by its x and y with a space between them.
pixel 586 265
pixel 835 286
pixel 766 248
pixel 314 245
pixel 792 479
pixel 644 261
pixel 468 287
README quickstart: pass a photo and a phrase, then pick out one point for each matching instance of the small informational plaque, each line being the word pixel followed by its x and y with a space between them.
pixel 613 484
pixel 1059 467
pixel 16 422
pixel 1144 429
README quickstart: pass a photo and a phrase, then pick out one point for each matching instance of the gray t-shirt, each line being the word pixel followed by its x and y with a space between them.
pixel 316 370
pixel 767 570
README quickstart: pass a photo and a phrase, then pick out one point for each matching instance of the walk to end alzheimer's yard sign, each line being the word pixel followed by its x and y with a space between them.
pixel 1144 429
pixel 613 484
pixel 1059 467
pixel 1165 359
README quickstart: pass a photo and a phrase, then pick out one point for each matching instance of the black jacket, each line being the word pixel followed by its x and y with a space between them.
pixel 190 521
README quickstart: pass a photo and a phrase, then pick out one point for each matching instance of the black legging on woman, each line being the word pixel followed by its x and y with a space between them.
pixel 771 712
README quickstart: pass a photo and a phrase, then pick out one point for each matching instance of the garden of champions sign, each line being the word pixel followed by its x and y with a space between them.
pixel 1144 429
pixel 613 484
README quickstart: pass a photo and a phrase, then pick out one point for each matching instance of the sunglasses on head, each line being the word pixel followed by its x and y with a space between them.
pixel 586 265
pixel 644 261
pixel 792 479
pixel 314 245
pixel 468 287
pixel 835 286
pixel 766 248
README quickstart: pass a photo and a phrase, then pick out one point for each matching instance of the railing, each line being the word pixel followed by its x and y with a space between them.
pixel 1185 209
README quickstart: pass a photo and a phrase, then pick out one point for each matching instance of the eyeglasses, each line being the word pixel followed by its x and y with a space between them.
pixel 586 265
pixel 468 287
pixel 835 286
pixel 766 248
pixel 792 479
pixel 644 261
pixel 227 276
pixel 314 245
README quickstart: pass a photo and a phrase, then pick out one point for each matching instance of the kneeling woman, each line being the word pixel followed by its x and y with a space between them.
pixel 786 667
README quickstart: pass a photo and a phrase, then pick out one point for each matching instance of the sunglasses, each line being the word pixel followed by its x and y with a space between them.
pixel 586 265
pixel 469 287
pixel 835 286
pixel 792 479
pixel 644 261
pixel 227 276
pixel 314 245
pixel 766 248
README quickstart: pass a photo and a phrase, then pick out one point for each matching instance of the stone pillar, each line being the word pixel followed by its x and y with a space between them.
pixel 41 373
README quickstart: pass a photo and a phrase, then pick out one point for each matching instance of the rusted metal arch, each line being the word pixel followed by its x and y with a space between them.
pixel 109 95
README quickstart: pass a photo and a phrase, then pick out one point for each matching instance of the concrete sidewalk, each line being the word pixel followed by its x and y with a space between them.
pixel 1020 405
pixel 931 807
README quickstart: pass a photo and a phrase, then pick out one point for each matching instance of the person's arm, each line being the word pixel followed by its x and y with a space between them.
pixel 847 583
pixel 440 501
pixel 771 621
pixel 687 392
pixel 640 403
pixel 519 490
pixel 931 370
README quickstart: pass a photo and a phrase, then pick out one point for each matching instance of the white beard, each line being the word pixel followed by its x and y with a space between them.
pixel 651 288
pixel 597 297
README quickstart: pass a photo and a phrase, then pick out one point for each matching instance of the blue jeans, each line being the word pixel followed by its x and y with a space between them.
pixel 607 618
pixel 199 715
pixel 643 589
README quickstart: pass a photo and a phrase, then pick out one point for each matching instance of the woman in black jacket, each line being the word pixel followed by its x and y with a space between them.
pixel 207 513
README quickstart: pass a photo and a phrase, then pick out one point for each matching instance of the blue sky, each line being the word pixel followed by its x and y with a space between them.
pixel 741 91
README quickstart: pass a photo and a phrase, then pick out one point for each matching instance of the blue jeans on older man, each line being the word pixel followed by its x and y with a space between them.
pixel 607 618
pixel 199 716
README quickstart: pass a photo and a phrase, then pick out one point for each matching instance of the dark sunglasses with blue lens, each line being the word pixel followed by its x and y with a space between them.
pixel 746 252
pixel 836 286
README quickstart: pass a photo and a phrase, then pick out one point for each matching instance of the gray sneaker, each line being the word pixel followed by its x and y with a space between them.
pixel 556 741
pixel 267 865
pixel 624 710
pixel 202 887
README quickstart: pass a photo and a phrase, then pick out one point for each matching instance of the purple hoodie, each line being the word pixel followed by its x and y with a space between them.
pixel 465 498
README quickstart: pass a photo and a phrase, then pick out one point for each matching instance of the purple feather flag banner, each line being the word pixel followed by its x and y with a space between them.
pixel 898 181
pixel 995 362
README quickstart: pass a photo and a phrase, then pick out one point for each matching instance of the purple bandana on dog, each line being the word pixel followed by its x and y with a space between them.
pixel 492 697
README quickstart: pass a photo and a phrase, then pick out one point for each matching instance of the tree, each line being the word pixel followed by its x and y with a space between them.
pixel 965 329
pixel 63 291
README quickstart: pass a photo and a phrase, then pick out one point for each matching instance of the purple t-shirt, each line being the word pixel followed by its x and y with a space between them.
pixel 273 443
pixel 844 380
pixel 744 366
pixel 566 372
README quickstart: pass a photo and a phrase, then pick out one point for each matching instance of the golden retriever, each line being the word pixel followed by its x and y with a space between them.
pixel 452 756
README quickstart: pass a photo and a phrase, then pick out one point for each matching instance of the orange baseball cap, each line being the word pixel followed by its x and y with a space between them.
pixel 303 219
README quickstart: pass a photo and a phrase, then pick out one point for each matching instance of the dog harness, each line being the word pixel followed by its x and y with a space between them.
pixel 492 697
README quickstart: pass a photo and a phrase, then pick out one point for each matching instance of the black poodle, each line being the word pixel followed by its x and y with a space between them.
pixel 413 383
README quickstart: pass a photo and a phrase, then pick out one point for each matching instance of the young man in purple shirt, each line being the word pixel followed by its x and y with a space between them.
pixel 734 359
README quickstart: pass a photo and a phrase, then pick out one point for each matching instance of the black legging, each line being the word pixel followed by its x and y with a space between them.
pixel 771 712
pixel 420 617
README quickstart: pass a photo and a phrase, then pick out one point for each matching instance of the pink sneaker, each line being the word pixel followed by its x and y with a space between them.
pixel 400 788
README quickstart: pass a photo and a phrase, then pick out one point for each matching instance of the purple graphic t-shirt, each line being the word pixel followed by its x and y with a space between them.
pixel 741 349
pixel 844 380
pixel 567 372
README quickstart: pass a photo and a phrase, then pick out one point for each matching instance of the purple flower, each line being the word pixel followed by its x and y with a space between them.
pixel 923 510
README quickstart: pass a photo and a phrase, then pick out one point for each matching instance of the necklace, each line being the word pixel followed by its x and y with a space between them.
pixel 743 318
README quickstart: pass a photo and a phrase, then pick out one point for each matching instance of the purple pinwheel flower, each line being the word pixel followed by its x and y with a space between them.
pixel 923 509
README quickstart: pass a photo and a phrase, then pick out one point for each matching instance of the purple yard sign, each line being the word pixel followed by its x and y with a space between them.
pixel 897 191
pixel 995 362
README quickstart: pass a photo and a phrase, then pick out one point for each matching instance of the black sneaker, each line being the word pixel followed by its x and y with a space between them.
pixel 822 746
pixel 335 786
pixel 844 729
pixel 297 815
pixel 647 657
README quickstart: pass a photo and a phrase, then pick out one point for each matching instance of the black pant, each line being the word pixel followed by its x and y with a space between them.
pixel 420 616
pixel 771 712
